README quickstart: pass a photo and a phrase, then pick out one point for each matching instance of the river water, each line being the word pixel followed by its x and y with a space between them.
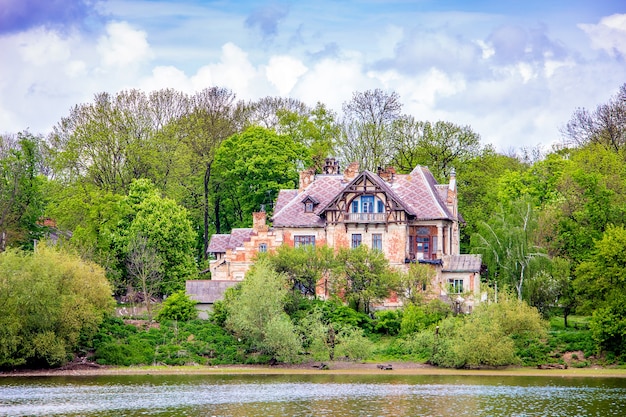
pixel 312 395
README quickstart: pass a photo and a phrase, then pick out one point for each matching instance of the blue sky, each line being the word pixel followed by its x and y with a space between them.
pixel 515 71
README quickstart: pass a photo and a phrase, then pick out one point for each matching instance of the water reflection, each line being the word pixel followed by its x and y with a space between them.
pixel 311 395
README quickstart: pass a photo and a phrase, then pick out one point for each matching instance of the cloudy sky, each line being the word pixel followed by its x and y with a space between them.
pixel 514 71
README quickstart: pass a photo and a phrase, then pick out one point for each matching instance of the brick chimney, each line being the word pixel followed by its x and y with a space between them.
pixel 388 174
pixel 331 166
pixel 351 172
pixel 258 222
pixel 306 178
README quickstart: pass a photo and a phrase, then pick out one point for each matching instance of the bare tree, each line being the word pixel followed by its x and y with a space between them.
pixel 144 266
pixel 367 128
pixel 606 125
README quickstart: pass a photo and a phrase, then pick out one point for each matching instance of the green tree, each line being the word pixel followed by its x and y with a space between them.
pixel 416 283
pixel 49 300
pixel 604 273
pixel 304 266
pixel 363 276
pixel 116 139
pixel 250 169
pixel 507 245
pixel 257 313
pixel 441 146
pixel 317 130
pixel 21 198
pixel 167 230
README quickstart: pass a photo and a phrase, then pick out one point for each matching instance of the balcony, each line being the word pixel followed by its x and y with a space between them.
pixel 364 217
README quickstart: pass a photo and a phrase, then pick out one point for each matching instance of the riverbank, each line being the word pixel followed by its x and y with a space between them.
pixel 335 367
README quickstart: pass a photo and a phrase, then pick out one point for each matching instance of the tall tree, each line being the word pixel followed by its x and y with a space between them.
pixel 167 229
pixel 363 277
pixel 250 168
pixel 266 112
pixel 441 146
pixel 21 198
pixel 367 128
pixel 213 117
pixel 115 139
pixel 317 130
pixel 605 126
pixel 508 246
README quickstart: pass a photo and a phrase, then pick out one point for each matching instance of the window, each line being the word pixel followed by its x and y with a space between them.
pixel 377 241
pixel 367 202
pixel 262 247
pixel 381 207
pixel 304 240
pixel 308 207
pixel 356 240
pixel 456 286
pixel 355 206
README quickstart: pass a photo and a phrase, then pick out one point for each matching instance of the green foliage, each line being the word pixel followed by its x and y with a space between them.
pixel 605 272
pixel 257 313
pixel 363 276
pixel 50 301
pixel 608 325
pixel 388 322
pixel 178 306
pixel 303 266
pixel 495 334
pixel 352 344
pixel 167 230
pixel 507 245
pixel 251 167
pixel 21 191
pixel 172 343
pixel 420 317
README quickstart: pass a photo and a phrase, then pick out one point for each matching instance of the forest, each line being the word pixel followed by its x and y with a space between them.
pixel 123 195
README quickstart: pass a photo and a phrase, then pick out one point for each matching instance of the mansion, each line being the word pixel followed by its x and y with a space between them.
pixel 409 217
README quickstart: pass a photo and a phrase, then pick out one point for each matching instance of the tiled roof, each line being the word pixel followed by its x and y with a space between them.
pixel 462 263
pixel 418 191
pixel 220 242
pixel 291 214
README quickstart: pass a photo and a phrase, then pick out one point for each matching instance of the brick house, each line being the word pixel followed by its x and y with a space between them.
pixel 409 217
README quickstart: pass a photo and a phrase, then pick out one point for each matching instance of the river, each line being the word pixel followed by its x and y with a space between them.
pixel 312 395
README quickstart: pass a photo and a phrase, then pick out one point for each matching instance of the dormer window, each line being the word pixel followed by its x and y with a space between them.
pixel 309 204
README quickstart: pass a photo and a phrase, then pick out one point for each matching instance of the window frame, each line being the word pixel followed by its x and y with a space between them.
pixel 303 240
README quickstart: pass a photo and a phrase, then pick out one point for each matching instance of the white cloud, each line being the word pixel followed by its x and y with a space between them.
pixel 609 34
pixel 123 46
pixel 42 47
pixel 283 72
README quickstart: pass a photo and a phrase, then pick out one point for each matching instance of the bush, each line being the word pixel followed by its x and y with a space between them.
pixel 388 322
pixel 353 345
pixel 178 306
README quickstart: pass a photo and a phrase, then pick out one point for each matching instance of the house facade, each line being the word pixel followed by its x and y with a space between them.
pixel 409 217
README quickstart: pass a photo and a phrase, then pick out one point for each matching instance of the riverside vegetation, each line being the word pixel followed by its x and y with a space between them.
pixel 128 189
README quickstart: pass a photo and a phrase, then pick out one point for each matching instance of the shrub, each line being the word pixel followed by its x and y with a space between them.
pixel 388 322
pixel 178 306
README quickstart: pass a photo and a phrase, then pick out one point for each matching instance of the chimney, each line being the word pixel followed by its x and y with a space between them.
pixel 351 172
pixel 306 178
pixel 331 166
pixel 452 195
pixel 388 174
pixel 258 222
